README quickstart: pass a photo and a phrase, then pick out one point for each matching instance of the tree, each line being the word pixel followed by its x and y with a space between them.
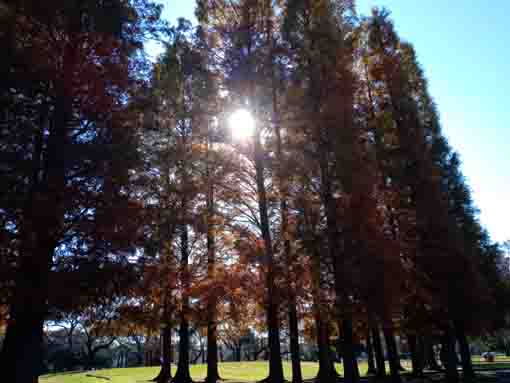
pixel 316 31
pixel 97 324
pixel 70 70
pixel 243 26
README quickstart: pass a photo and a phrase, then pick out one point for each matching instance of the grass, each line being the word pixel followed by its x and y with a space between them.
pixel 235 371
pixel 501 362
pixel 499 359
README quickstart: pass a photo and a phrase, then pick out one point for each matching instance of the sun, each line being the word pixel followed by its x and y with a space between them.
pixel 241 124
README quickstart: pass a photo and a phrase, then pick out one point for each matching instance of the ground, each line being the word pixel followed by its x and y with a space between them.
pixel 235 371
pixel 241 372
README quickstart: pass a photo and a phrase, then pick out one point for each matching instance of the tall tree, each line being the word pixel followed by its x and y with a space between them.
pixel 316 31
pixel 243 27
pixel 210 138
pixel 71 69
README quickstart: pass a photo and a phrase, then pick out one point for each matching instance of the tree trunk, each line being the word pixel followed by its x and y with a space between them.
pixel 450 356
pixel 165 374
pixel 327 372
pixel 420 352
pixel 89 360
pixel 139 353
pixel 183 374
pixel 294 343
pixel 379 354
pixel 416 350
pixel 339 345
pixel 370 352
pixel 290 260
pixel 213 374
pixel 465 353
pixel 237 353
pixel 350 362
pixel 171 351
pixel 391 347
pixel 20 359
pixel 275 358
pixel 22 348
pixel 351 372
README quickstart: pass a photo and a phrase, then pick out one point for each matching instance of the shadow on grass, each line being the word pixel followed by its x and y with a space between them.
pixel 491 366
pixel 48 376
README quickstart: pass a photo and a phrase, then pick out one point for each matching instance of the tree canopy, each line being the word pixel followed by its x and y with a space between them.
pixel 128 204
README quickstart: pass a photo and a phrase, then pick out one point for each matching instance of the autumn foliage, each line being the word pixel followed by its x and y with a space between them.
pixel 344 219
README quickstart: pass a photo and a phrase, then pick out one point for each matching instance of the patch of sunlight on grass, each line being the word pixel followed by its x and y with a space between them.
pixel 236 371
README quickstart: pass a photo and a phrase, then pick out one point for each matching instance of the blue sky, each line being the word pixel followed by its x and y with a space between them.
pixel 464 47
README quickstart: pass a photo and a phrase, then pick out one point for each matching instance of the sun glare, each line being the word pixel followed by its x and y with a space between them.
pixel 242 124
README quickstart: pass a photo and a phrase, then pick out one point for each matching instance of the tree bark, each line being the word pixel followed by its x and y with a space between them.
pixel 89 360
pixel 293 320
pixel 349 358
pixel 213 374
pixel 183 374
pixel 465 353
pixel 272 299
pixel 275 358
pixel 351 372
pixel 237 353
pixel 165 374
pixel 22 346
pixel 327 372
pixel 450 356
pixel 391 347
pixel 379 354
pixel 297 377
pixel 420 352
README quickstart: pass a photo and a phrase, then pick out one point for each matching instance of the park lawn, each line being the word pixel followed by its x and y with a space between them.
pixel 234 371
pixel 501 362
pixel 491 366
pixel 499 359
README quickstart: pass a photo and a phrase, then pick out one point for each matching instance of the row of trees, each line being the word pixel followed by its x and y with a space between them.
pixel 347 202
pixel 345 215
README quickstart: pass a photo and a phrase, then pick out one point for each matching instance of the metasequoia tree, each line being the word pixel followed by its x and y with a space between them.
pixel 176 98
pixel 244 33
pixel 345 209
pixel 316 31
pixel 65 148
pixel 194 163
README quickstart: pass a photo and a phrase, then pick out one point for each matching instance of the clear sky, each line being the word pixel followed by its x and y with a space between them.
pixel 464 47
